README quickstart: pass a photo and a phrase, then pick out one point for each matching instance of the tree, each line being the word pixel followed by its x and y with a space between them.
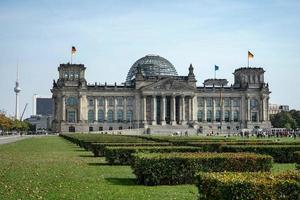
pixel 6 123
pixel 283 120
pixel 296 115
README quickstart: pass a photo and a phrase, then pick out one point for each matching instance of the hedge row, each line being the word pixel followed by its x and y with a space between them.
pixel 124 155
pixel 249 186
pixel 297 157
pixel 98 148
pixel 85 140
pixel 280 153
pixel 181 168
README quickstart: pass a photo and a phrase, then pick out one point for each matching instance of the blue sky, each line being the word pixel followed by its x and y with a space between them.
pixel 111 35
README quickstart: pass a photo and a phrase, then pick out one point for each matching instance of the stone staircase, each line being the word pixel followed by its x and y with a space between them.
pixel 171 129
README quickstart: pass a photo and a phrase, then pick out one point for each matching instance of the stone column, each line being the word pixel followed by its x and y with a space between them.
pixel 205 110
pixel 173 110
pixel 222 109
pixel 248 110
pixel 194 108
pixel 154 110
pixel 96 109
pixel 125 109
pixel 63 105
pixel 115 109
pixel 231 110
pixel 262 109
pixel 79 119
pixel 214 110
pixel 105 109
pixel 163 110
pixel 190 109
pixel 144 110
pixel 182 101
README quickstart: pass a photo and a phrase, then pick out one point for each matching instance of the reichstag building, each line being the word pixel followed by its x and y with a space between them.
pixel 154 97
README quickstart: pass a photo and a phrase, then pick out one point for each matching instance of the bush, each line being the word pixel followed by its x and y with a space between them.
pixel 180 168
pixel 297 157
pixel 280 153
pixel 249 186
pixel 98 148
pixel 124 155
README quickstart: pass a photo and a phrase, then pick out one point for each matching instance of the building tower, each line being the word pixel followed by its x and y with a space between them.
pixel 17 90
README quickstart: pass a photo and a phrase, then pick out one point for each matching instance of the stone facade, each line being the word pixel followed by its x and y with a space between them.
pixel 152 98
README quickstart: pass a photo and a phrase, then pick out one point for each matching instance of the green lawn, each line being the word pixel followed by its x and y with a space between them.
pixel 52 168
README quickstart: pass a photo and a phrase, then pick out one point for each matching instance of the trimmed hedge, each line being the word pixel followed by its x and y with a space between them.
pixel 280 153
pixel 181 168
pixel 98 148
pixel 249 186
pixel 124 155
pixel 297 157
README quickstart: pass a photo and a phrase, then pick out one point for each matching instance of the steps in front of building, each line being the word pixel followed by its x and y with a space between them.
pixel 171 129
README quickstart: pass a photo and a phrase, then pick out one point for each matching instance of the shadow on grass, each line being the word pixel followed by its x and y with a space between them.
pixel 79 150
pixel 122 181
pixel 99 164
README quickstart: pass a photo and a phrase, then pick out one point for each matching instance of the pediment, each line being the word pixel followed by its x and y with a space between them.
pixel 168 84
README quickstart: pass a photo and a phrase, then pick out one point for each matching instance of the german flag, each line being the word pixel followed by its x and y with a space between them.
pixel 250 55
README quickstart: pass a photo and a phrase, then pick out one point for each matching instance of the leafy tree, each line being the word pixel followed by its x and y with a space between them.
pixel 283 120
pixel 6 123
pixel 296 115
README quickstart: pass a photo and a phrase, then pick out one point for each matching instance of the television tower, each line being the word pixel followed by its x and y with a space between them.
pixel 17 90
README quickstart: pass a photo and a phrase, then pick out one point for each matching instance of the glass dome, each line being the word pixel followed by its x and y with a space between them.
pixel 152 65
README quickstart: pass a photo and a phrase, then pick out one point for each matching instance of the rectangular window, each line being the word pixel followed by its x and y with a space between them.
pixel 226 102
pixel 236 102
pixel 200 102
pixel 91 101
pixel 101 101
pixel 120 101
pixel 254 116
pixel 71 116
pixel 209 102
pixel 110 101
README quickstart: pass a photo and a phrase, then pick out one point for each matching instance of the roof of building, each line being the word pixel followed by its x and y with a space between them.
pixel 152 65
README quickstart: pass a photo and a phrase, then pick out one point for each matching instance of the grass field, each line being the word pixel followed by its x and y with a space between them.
pixel 52 168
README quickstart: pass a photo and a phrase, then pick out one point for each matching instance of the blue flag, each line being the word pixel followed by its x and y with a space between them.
pixel 216 67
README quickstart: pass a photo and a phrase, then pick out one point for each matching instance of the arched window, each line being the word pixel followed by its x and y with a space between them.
pixel 218 115
pixel 110 116
pixel 91 116
pixel 100 115
pixel 71 101
pixel 208 116
pixel 236 116
pixel 227 115
pixel 129 116
pixel 120 115
pixel 200 115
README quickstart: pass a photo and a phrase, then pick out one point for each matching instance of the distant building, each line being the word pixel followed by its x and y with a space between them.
pixel 43 110
pixel 277 108
pixel 43 105
pixel 156 98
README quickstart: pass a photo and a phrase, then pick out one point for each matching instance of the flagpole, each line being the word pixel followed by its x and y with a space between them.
pixel 215 73
pixel 248 60
pixel 71 57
